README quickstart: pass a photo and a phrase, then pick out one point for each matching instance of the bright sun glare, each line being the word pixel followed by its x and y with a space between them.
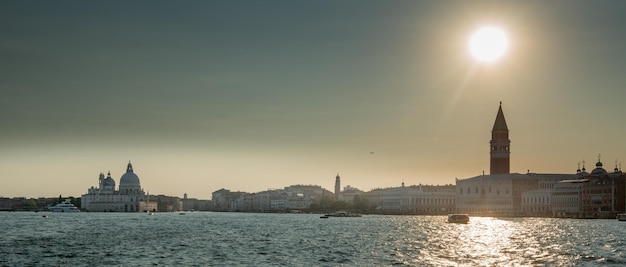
pixel 488 44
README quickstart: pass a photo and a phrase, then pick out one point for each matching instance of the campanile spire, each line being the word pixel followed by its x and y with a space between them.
pixel 500 145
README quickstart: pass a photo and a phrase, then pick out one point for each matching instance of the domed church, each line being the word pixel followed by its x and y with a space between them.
pixel 130 197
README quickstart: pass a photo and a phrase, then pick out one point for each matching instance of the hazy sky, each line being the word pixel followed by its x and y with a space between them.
pixel 251 95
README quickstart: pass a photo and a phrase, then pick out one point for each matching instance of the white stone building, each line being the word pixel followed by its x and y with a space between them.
pixel 414 199
pixel 567 198
pixel 508 194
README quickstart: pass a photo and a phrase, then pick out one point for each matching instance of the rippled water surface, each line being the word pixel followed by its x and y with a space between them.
pixel 229 239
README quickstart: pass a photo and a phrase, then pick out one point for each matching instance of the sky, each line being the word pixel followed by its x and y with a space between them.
pixel 257 95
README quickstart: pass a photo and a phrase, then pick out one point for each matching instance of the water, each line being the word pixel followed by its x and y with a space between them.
pixel 241 239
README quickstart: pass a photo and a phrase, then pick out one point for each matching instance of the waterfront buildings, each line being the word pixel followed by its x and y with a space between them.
pixel 566 199
pixel 414 199
pixel 507 194
pixel 349 193
pixel 294 197
pixel 24 204
pixel 194 204
pixel 129 197
pixel 167 203
pixel 598 194
pixel 590 195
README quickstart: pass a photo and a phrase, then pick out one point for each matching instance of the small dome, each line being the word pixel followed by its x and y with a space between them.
pixel 599 165
pixel 109 182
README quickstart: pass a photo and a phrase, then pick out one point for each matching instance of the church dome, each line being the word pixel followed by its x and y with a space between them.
pixel 109 181
pixel 599 169
pixel 129 178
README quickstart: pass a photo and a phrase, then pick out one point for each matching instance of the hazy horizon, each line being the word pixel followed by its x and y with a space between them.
pixel 247 95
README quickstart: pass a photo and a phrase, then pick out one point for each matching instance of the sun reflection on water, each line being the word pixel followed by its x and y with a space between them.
pixel 485 238
pixel 489 241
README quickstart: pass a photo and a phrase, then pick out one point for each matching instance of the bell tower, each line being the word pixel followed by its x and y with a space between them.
pixel 500 145
pixel 337 186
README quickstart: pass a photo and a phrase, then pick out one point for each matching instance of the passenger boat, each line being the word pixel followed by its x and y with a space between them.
pixel 621 217
pixel 343 214
pixel 65 206
pixel 458 218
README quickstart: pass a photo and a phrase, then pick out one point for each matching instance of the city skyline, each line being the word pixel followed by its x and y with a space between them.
pixel 249 96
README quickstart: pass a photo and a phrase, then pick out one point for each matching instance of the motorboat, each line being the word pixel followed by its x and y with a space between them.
pixel 621 217
pixel 65 206
pixel 458 218
pixel 343 214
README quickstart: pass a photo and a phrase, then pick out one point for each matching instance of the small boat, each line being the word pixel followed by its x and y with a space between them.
pixel 323 217
pixel 343 214
pixel 65 206
pixel 458 218
pixel 621 217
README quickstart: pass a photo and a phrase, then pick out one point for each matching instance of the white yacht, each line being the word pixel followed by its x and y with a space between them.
pixel 65 206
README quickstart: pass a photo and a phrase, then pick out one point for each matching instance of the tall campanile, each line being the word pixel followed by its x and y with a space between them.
pixel 500 145
pixel 337 186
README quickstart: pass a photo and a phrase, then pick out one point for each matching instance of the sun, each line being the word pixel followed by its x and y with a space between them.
pixel 488 44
